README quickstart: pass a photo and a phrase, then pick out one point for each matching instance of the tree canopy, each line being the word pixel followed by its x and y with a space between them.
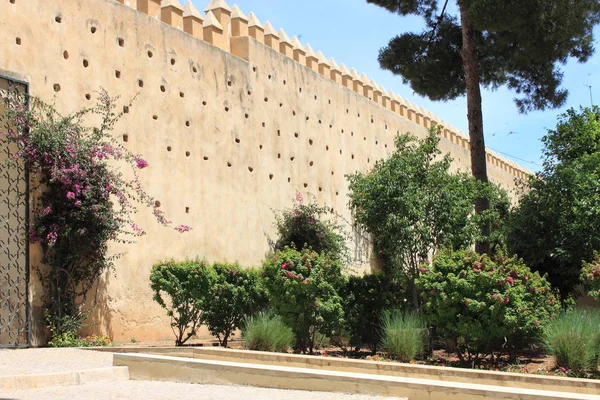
pixel 556 224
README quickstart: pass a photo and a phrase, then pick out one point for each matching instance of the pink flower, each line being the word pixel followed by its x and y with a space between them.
pixel 78 203
pixel 510 280
pixel 70 196
pixel 423 270
pixel 141 163
pixel 51 238
pixel 47 210
pixel 299 197
pixel 284 266
pixel 183 228
pixel 137 229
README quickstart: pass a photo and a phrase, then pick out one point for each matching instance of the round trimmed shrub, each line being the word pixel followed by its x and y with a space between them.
pixel 482 305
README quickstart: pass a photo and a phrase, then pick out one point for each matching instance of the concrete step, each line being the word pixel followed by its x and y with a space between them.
pixel 178 369
pixel 65 378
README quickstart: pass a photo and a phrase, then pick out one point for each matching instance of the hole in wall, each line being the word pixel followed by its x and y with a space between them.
pixel 278 132
pixel 163 88
pixel 329 101
pixel 315 96
pixel 125 109
pixel 292 158
pixel 187 210
pixel 157 204
pixel 56 87
pixel 118 74
pixel 249 93
pixel 260 146
pixel 187 154
pixel 365 138
pixel 205 158
pixel 88 96
pixel 340 151
pixel 294 113
pixel 229 164
pixel 66 55
pixel 246 115
pixel 228 83
pixel 264 125
pixel 204 103
pixel 150 54
pixel 353 156
pixel 337 193
pixel 307 118
pixel 226 109
pixel 237 140
pixel 368 160
pixel 358 115
pixel 311 163
pixel 254 69
pixel 172 61
pixel 269 76
pixel 58 19
pixel 86 64
pixel 18 41
pixel 278 155
pixel 155 117
pixel 332 173
pixel 181 94
pixel 121 42
pixel 306 185
pixel 140 83
pixel 250 169
pixel 280 104
pixel 300 90
pixel 271 176
pixel 289 179
pixel 187 123
pixel 93 29
pixel 169 148
pixel 347 111
pixel 266 99
pixel 320 189
pixel 12 1
pixel 342 131
pixel 126 138
pixel 296 134
pixel 194 70
pixel 372 120
pixel 327 147
pixel 284 82
pixel 310 141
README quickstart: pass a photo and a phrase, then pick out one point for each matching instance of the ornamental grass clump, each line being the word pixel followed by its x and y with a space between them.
pixel 573 339
pixel 267 332
pixel 83 200
pixel 403 335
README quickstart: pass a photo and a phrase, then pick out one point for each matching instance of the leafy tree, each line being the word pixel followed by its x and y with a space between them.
pixel 413 206
pixel 490 43
pixel 556 224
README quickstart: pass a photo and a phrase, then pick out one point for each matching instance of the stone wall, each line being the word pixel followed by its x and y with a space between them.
pixel 233 118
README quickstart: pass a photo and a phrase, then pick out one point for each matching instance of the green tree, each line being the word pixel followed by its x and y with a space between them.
pixel 413 206
pixel 490 43
pixel 556 224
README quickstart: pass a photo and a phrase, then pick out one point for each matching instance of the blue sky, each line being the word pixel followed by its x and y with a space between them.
pixel 353 31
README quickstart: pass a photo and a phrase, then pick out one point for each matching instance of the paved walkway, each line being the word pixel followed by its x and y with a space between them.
pixel 151 390
pixel 39 361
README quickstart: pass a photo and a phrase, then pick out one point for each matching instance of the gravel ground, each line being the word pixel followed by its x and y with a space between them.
pixel 152 390
pixel 40 361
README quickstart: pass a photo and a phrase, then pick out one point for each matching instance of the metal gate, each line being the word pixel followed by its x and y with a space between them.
pixel 14 251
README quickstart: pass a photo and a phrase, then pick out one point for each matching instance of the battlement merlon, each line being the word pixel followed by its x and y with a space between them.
pixel 222 23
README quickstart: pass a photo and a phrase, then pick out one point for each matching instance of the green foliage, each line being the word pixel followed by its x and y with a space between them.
pixel 267 332
pixel 519 44
pixel 181 288
pixel 403 335
pixel 590 276
pixel 65 334
pixel 482 305
pixel 303 289
pixel 234 294
pixel 556 225
pixel 413 205
pixel 574 340
pixel 365 300
pixel 308 225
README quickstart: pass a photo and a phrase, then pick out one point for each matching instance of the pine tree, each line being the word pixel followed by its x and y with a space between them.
pixel 490 43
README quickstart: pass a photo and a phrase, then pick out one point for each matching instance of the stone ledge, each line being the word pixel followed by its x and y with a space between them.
pixel 495 378
pixel 165 368
pixel 34 381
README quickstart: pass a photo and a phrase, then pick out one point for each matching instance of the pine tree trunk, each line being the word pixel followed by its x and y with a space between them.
pixel 475 116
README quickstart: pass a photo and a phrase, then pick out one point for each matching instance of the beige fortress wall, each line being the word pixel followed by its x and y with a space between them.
pixel 229 138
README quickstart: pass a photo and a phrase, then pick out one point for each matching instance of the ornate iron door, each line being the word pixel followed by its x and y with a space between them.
pixel 14 254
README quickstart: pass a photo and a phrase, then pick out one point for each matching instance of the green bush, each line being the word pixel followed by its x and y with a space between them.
pixel 574 340
pixel 267 332
pixel 482 306
pixel 303 290
pixel 403 335
pixel 180 288
pixel 365 299
pixel 308 225
pixel 234 294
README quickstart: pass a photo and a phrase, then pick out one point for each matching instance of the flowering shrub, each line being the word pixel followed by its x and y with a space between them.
pixel 365 300
pixel 234 294
pixel 306 225
pixel 484 305
pixel 85 201
pixel 302 289
pixel 590 276
pixel 181 288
